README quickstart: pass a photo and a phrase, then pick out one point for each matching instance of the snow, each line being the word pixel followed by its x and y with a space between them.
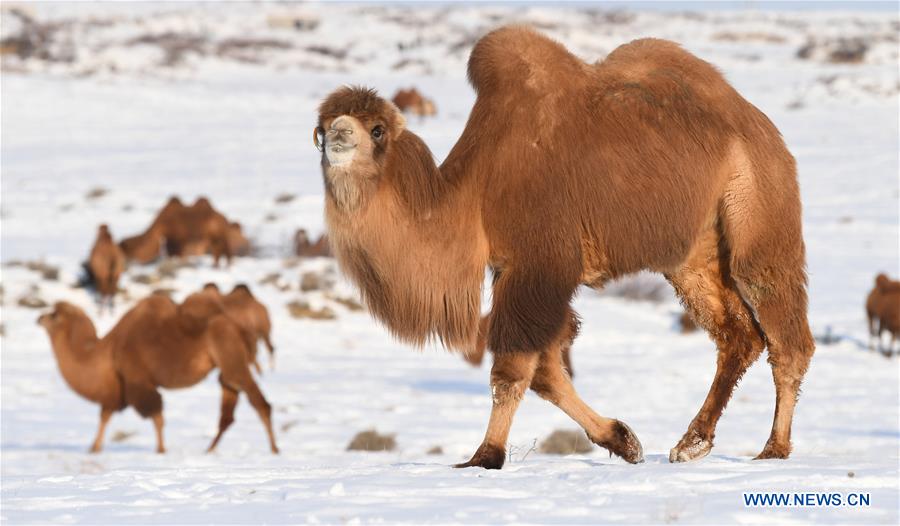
pixel 240 133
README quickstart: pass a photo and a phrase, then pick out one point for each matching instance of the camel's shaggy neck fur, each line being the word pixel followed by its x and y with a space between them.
pixel 418 274
pixel 410 239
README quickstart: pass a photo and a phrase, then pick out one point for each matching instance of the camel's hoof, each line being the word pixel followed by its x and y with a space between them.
pixel 161 450
pixel 94 450
pixel 487 457
pixel 773 450
pixel 623 443
pixel 691 447
pixel 275 450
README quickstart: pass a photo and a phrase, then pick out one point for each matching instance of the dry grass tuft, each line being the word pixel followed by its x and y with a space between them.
pixel 300 309
pixel 566 442
pixel 96 193
pixel 285 198
pixel 372 441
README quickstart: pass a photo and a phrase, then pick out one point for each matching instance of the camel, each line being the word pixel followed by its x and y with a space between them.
pixel 187 231
pixel 250 314
pixel 303 247
pixel 196 230
pixel 146 247
pixel 883 312
pixel 105 264
pixel 238 244
pixel 412 102
pixel 570 174
pixel 156 344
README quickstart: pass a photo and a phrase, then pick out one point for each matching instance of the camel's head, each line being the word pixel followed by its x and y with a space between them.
pixel 103 232
pixel 67 318
pixel 355 134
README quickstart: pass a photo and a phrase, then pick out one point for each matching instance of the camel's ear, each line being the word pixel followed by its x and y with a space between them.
pixel 399 123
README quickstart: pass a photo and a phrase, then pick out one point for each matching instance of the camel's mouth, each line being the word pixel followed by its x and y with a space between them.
pixel 339 153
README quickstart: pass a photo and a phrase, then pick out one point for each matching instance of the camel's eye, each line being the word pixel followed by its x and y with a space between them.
pixel 378 132
pixel 319 138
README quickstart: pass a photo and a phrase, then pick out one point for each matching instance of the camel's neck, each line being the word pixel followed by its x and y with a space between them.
pixel 418 254
pixel 86 364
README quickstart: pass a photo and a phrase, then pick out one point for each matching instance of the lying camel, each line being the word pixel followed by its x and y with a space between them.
pixel 105 264
pixel 155 344
pixel 883 312
pixel 250 314
pixel 566 174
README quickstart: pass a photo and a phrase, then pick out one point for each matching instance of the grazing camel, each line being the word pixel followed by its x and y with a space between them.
pixel 106 264
pixel 303 247
pixel 411 101
pixel 570 173
pixel 155 344
pixel 250 314
pixel 883 312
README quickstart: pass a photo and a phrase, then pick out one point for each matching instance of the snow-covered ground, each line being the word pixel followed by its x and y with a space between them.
pixel 238 130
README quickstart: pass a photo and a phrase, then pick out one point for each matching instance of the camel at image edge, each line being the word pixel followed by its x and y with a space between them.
pixel 570 173
pixel 157 343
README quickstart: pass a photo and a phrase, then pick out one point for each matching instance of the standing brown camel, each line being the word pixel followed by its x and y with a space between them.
pixel 883 312
pixel 186 231
pixel 250 314
pixel 155 344
pixel 106 264
pixel 570 173
pixel 145 247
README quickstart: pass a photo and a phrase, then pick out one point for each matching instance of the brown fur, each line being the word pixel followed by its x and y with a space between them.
pixel 883 312
pixel 106 264
pixel 570 173
pixel 303 247
pixel 156 344
pixel 411 101
pixel 476 356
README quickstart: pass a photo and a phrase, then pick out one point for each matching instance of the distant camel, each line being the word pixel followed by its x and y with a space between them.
pixel 106 263
pixel 411 101
pixel 570 173
pixel 155 344
pixel 303 247
pixel 187 231
pixel 883 312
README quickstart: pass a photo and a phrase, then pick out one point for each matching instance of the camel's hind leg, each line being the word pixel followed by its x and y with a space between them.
pixel 230 354
pixel 226 418
pixel 552 382
pixel 762 226
pixel 707 290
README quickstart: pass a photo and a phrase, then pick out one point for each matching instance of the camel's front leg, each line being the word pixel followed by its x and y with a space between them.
pixel 510 377
pixel 105 414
